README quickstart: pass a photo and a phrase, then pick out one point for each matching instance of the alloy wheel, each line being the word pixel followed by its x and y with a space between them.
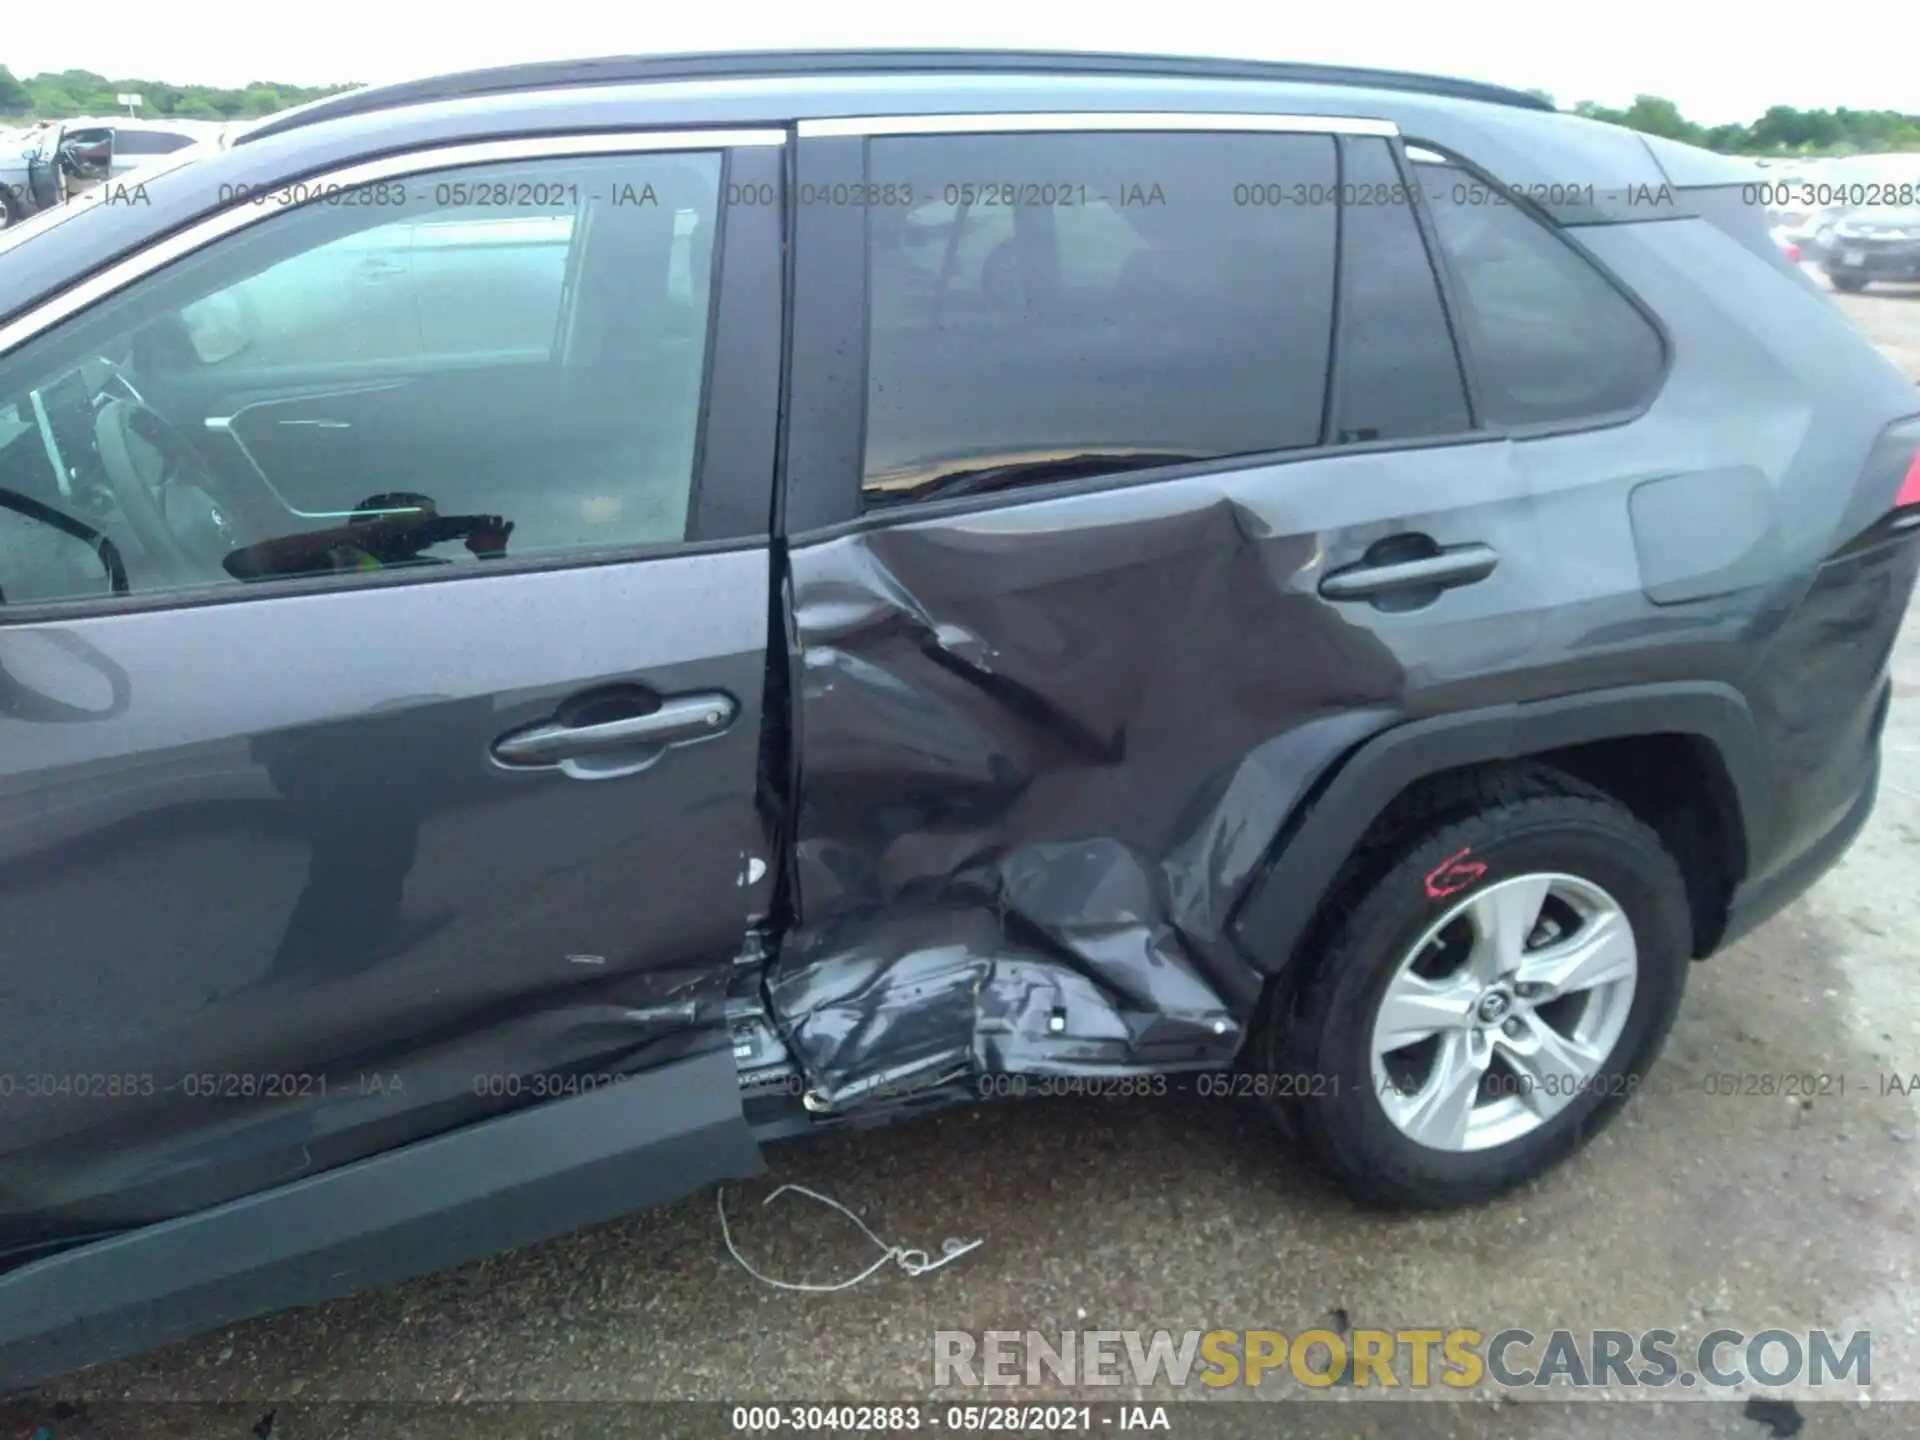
pixel 1504 1012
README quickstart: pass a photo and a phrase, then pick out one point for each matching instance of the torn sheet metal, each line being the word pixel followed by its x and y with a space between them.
pixel 1043 751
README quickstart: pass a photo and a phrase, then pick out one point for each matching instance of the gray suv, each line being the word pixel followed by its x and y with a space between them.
pixel 562 624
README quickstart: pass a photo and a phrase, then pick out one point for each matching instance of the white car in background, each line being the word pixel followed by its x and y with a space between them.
pixel 135 143
pixel 47 164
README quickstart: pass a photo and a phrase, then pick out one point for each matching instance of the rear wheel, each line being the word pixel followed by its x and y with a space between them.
pixel 1491 998
pixel 1852 284
pixel 12 212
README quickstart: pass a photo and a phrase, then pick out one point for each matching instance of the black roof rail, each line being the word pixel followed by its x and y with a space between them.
pixel 773 64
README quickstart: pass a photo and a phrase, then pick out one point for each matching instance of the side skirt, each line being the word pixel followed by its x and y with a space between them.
pixel 503 1183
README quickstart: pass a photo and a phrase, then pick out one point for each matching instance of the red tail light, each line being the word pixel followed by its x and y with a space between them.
pixel 1910 487
pixel 1887 496
pixel 1793 254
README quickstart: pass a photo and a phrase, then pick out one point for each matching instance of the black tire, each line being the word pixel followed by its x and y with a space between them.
pixel 1851 284
pixel 12 211
pixel 1512 823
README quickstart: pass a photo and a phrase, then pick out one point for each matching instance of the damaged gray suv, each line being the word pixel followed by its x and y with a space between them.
pixel 561 624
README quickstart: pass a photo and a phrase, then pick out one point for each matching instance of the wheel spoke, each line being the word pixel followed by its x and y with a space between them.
pixel 1598 953
pixel 1503 918
pixel 1416 1008
pixel 1551 1066
pixel 1437 1113
pixel 1435 1035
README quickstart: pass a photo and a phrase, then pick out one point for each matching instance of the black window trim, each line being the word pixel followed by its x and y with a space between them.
pixel 739 403
pixel 1338 314
pixel 826 398
pixel 1452 289
pixel 1444 278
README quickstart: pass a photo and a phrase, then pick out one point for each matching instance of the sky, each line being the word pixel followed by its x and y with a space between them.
pixel 1715 67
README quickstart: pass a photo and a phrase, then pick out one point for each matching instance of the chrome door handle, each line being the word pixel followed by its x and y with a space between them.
pixel 677 721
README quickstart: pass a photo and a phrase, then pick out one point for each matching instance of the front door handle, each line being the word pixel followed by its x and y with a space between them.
pixel 678 719
pixel 1369 580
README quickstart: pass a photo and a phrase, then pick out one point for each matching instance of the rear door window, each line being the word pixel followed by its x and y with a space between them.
pixel 1057 306
pixel 1552 339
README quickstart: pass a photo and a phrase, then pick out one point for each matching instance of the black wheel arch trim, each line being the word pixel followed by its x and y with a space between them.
pixel 1280 907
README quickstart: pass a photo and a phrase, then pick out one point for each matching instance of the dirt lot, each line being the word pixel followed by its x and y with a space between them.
pixel 1890 317
pixel 1695 1211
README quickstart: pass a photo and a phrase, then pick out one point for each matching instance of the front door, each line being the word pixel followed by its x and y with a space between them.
pixel 382 652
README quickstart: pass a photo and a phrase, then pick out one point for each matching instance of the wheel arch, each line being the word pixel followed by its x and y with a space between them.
pixel 1605 739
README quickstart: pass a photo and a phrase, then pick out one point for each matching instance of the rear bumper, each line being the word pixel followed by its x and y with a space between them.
pixel 1757 901
pixel 1891 264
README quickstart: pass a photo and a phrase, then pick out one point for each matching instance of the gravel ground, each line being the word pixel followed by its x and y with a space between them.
pixel 1693 1212
pixel 1889 315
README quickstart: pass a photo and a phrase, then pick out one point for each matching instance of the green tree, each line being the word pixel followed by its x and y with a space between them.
pixel 73 92
pixel 1651 115
pixel 15 98
pixel 1782 131
pixel 50 102
pixel 259 99
pixel 1592 110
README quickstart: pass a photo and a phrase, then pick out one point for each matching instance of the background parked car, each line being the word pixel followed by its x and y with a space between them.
pixel 19 160
pixel 45 165
pixel 1817 234
pixel 129 144
pixel 1876 242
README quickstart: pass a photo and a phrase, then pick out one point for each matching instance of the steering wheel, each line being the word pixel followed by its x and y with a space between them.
pixel 164 489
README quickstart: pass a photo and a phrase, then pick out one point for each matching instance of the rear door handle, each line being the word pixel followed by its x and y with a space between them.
pixel 1460 565
pixel 680 719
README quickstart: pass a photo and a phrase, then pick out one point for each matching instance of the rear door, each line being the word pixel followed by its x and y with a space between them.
pixel 1159 489
pixel 410 775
